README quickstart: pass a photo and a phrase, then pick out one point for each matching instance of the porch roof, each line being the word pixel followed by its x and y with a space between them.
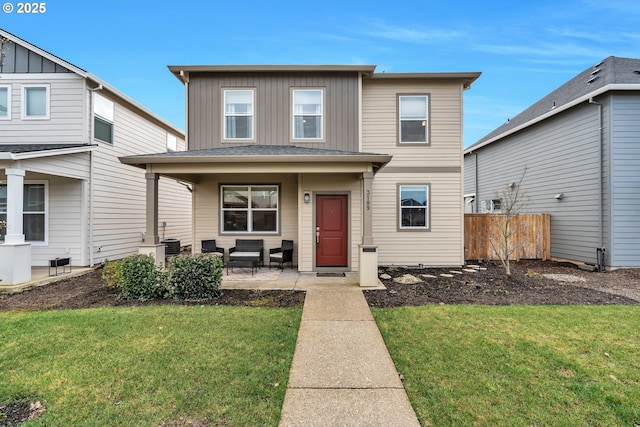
pixel 29 151
pixel 259 154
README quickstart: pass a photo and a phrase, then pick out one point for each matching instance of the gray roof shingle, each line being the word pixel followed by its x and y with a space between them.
pixel 612 70
pixel 30 148
pixel 260 150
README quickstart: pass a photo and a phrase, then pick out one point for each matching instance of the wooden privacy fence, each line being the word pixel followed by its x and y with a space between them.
pixel 532 237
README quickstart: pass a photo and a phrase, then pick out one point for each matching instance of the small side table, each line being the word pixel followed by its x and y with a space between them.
pixel 60 262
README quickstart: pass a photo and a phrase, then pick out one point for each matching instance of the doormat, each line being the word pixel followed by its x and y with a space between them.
pixel 331 275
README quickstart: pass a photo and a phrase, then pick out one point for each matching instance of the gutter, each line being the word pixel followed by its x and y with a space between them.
pixel 555 111
pixel 46 153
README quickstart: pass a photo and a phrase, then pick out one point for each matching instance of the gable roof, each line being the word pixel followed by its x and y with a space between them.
pixel 96 82
pixel 612 73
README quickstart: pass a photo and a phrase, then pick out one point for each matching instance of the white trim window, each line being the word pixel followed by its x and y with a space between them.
pixel 35 210
pixel 35 102
pixel 308 111
pixel 238 114
pixel 103 118
pixel 172 142
pixel 249 209
pixel 413 116
pixel 5 102
pixel 413 209
pixel 491 206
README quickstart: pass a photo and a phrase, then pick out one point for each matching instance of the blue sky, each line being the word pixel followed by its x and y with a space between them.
pixel 524 49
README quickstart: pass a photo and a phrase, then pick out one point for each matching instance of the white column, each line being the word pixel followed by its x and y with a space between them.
pixel 15 195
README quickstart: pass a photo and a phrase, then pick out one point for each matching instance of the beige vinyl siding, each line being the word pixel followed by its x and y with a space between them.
pixel 207 210
pixel 273 109
pixel 119 199
pixel 439 164
pixel 329 184
pixel 441 246
pixel 67 104
pixel 69 165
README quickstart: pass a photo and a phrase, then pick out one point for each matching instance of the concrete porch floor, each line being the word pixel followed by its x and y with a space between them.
pixel 288 279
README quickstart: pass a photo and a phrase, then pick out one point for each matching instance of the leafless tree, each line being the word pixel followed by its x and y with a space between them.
pixel 504 226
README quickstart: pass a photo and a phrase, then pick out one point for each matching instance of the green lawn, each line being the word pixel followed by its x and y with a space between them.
pixel 147 365
pixel 518 366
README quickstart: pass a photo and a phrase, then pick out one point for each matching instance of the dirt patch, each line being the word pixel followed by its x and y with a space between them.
pixel 531 282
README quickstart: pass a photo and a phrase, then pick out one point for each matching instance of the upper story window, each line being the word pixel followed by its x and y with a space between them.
pixel 307 113
pixel 413 209
pixel 238 114
pixel 103 118
pixel 34 210
pixel 35 102
pixel 5 102
pixel 491 206
pixel 172 142
pixel 413 117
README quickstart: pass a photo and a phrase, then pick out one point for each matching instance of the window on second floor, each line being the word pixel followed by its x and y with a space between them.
pixel 307 114
pixel 35 102
pixel 103 118
pixel 491 206
pixel 172 142
pixel 238 114
pixel 413 117
pixel 5 102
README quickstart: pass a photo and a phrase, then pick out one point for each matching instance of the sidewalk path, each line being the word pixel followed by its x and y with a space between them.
pixel 342 374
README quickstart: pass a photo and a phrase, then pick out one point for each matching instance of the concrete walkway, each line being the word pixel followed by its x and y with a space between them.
pixel 342 374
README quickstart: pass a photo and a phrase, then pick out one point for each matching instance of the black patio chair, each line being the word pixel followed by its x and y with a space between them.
pixel 209 246
pixel 282 254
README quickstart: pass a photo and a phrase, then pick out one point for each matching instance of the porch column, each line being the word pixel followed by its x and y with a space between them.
pixel 15 253
pixel 367 220
pixel 15 196
pixel 152 243
pixel 368 252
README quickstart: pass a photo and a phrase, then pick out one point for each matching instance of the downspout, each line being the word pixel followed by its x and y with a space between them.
pixel 475 181
pixel 600 192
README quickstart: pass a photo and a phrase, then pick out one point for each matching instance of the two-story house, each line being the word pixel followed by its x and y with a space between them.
pixel 580 145
pixel 334 157
pixel 63 192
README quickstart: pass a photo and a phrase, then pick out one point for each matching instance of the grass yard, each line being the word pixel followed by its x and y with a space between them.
pixel 518 365
pixel 146 366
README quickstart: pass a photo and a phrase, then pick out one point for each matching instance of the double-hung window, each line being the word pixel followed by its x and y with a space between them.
pixel 103 118
pixel 35 102
pixel 413 209
pixel 307 113
pixel 34 210
pixel 238 114
pixel 413 117
pixel 5 102
pixel 249 208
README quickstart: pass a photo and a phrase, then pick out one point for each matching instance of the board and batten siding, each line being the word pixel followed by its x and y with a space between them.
pixel 439 164
pixel 67 111
pixel 119 199
pixel 207 210
pixel 561 155
pixel 273 108
pixel 625 180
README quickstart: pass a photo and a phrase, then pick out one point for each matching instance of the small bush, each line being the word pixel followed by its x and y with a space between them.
pixel 137 276
pixel 194 276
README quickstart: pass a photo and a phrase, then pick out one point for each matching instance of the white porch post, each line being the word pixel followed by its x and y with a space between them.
pixel 15 253
pixel 15 196
pixel 368 252
pixel 152 243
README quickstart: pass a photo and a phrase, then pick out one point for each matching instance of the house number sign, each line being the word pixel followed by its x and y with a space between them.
pixel 368 200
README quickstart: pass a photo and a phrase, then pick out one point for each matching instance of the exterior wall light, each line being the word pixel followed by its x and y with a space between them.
pixel 307 197
pixel 559 196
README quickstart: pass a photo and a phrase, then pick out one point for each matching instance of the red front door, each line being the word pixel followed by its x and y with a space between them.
pixel 331 231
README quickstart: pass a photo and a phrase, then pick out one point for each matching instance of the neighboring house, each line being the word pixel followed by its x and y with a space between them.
pixel 63 191
pixel 581 147
pixel 333 157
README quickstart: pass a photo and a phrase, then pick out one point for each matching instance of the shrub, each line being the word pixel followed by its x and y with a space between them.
pixel 194 276
pixel 137 276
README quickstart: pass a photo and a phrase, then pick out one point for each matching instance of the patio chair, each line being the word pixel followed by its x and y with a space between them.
pixel 209 246
pixel 282 254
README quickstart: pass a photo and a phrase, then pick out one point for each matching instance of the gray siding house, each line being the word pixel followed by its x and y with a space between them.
pixel 63 192
pixel 580 145
pixel 344 161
